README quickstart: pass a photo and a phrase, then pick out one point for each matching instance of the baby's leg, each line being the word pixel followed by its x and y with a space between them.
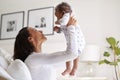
pixel 75 66
pixel 68 68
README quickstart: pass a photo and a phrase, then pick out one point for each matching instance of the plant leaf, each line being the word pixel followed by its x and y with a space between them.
pixel 118 60
pixel 117 42
pixel 106 54
pixel 113 63
pixel 111 41
pixel 117 51
pixel 106 61
pixel 101 62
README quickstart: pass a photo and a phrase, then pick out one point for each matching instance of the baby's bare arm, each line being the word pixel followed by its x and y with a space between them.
pixel 72 21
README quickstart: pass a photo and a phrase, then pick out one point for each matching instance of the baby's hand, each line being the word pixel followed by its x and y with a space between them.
pixel 57 29
pixel 72 21
pixel 57 22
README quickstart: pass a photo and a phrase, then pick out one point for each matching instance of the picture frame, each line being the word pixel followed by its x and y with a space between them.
pixel 42 19
pixel 11 23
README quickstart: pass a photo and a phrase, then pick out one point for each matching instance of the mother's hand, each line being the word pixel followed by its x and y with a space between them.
pixel 72 21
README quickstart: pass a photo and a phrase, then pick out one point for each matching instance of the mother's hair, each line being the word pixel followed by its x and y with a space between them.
pixel 22 47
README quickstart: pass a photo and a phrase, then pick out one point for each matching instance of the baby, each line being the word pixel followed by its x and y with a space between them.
pixel 63 13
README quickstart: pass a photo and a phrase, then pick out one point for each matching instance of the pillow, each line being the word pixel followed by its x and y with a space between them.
pixel 6 55
pixel 3 52
pixel 19 71
pixel 3 62
pixel 4 75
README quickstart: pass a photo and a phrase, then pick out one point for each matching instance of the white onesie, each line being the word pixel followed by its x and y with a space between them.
pixel 79 35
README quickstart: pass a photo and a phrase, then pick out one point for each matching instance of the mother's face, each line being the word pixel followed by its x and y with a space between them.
pixel 36 37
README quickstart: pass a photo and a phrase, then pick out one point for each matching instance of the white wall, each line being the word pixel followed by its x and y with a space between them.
pixel 98 19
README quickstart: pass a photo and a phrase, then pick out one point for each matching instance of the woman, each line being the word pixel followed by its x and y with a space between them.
pixel 28 47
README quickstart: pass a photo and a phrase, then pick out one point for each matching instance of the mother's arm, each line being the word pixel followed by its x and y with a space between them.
pixel 63 56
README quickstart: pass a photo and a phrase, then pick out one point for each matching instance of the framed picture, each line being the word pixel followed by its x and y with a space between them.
pixel 42 19
pixel 11 23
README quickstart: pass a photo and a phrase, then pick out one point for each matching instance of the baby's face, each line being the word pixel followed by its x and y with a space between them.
pixel 58 14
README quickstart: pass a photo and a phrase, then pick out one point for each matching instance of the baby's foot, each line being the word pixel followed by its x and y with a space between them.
pixel 67 71
pixel 72 73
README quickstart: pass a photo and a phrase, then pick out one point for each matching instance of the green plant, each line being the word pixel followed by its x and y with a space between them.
pixel 115 50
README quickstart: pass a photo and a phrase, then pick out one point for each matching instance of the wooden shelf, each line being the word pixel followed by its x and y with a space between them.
pixel 81 78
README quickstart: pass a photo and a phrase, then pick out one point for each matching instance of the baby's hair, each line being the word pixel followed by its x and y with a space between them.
pixel 64 7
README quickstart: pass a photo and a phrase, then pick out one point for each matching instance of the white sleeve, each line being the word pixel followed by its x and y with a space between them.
pixel 64 20
pixel 57 57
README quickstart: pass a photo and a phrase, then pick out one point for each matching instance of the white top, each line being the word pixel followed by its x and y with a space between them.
pixel 41 64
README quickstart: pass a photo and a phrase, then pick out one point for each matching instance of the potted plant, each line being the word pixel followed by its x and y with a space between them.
pixel 115 50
